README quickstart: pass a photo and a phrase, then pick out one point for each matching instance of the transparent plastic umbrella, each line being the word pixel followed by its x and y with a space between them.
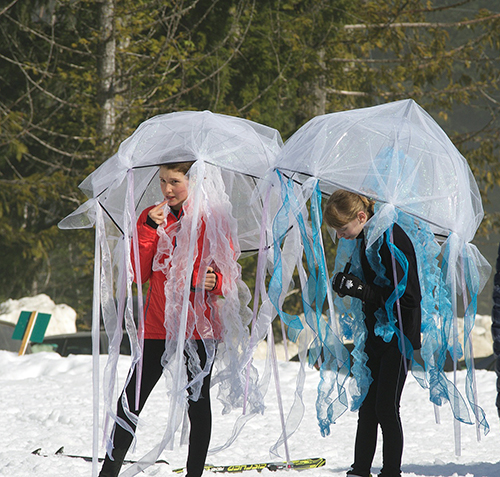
pixel 243 151
pixel 396 154
pixel 230 156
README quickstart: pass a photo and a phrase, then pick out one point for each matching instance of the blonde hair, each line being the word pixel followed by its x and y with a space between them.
pixel 343 206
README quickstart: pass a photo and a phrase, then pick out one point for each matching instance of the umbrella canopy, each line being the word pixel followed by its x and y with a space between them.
pixel 242 149
pixel 395 153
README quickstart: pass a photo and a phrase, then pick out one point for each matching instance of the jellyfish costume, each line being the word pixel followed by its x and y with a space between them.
pixel 221 219
pixel 397 155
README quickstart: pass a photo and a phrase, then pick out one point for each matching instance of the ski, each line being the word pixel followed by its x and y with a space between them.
pixel 60 452
pixel 300 464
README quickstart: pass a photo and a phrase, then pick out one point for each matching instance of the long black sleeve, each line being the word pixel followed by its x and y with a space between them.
pixel 410 301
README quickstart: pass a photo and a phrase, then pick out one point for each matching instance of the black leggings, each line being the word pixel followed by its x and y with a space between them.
pixel 381 407
pixel 199 412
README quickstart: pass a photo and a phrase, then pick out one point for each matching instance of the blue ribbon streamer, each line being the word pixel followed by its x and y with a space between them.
pixel 437 312
pixel 470 272
pixel 336 365
pixel 352 322
pixel 275 289
pixel 332 396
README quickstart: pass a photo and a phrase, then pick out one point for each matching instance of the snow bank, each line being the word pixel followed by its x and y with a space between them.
pixel 63 319
pixel 481 336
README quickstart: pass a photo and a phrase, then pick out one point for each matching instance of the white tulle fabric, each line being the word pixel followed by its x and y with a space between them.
pixel 231 155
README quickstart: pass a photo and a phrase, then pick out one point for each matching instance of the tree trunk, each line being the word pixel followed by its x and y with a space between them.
pixel 317 91
pixel 106 69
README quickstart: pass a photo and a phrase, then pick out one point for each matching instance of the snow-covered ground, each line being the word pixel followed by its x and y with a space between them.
pixel 47 403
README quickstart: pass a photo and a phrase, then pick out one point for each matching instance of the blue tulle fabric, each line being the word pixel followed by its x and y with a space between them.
pixel 276 286
pixel 325 346
pixel 345 321
pixel 439 332
pixel 398 155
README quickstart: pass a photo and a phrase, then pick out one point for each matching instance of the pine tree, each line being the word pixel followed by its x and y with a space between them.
pixel 77 77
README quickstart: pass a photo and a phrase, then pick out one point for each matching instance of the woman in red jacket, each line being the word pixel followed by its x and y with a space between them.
pixel 158 232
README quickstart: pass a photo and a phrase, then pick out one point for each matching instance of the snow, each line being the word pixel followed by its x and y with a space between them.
pixel 62 320
pixel 47 402
pixel 481 336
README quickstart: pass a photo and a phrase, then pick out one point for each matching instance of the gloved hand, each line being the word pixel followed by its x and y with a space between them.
pixel 348 284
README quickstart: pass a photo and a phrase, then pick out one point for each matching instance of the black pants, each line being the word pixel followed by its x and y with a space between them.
pixel 381 407
pixel 497 369
pixel 199 412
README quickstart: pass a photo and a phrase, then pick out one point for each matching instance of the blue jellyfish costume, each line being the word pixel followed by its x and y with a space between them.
pixel 397 155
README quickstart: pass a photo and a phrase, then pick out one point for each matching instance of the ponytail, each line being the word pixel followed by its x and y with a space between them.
pixel 343 206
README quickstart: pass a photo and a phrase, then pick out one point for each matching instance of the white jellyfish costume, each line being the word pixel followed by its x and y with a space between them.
pixel 230 154
pixel 398 155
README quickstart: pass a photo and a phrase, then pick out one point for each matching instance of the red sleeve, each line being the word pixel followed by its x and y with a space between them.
pixel 218 285
pixel 217 290
pixel 148 243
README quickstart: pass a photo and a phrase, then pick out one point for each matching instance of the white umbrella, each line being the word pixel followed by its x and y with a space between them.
pixel 395 153
pixel 230 155
pixel 242 149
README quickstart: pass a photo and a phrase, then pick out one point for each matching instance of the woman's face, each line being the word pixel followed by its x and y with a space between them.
pixel 353 228
pixel 174 186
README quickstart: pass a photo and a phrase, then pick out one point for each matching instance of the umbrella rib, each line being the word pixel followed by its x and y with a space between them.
pixel 324 194
pixel 145 188
pixel 111 218
pixel 107 213
pixel 208 162
pixel 380 200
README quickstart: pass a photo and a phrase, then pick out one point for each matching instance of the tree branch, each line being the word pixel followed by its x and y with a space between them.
pixel 344 92
pixel 44 37
pixel 442 8
pixel 11 4
pixel 47 163
pixel 364 26
pixel 489 98
pixel 217 70
pixel 50 147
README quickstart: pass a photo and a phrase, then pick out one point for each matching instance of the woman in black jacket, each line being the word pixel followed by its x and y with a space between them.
pixel 495 326
pixel 348 213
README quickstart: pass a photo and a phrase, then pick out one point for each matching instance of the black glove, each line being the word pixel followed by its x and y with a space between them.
pixel 348 284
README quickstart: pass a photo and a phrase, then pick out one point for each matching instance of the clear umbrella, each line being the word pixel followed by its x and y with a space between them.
pixel 398 155
pixel 230 154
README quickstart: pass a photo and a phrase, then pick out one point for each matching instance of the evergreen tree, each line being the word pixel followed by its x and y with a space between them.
pixel 77 77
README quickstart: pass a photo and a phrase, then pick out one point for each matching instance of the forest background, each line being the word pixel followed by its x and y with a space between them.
pixel 78 77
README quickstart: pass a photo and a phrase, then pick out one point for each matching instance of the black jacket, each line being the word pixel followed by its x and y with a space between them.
pixel 495 313
pixel 410 301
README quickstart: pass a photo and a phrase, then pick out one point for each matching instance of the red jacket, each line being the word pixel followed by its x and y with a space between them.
pixel 154 310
